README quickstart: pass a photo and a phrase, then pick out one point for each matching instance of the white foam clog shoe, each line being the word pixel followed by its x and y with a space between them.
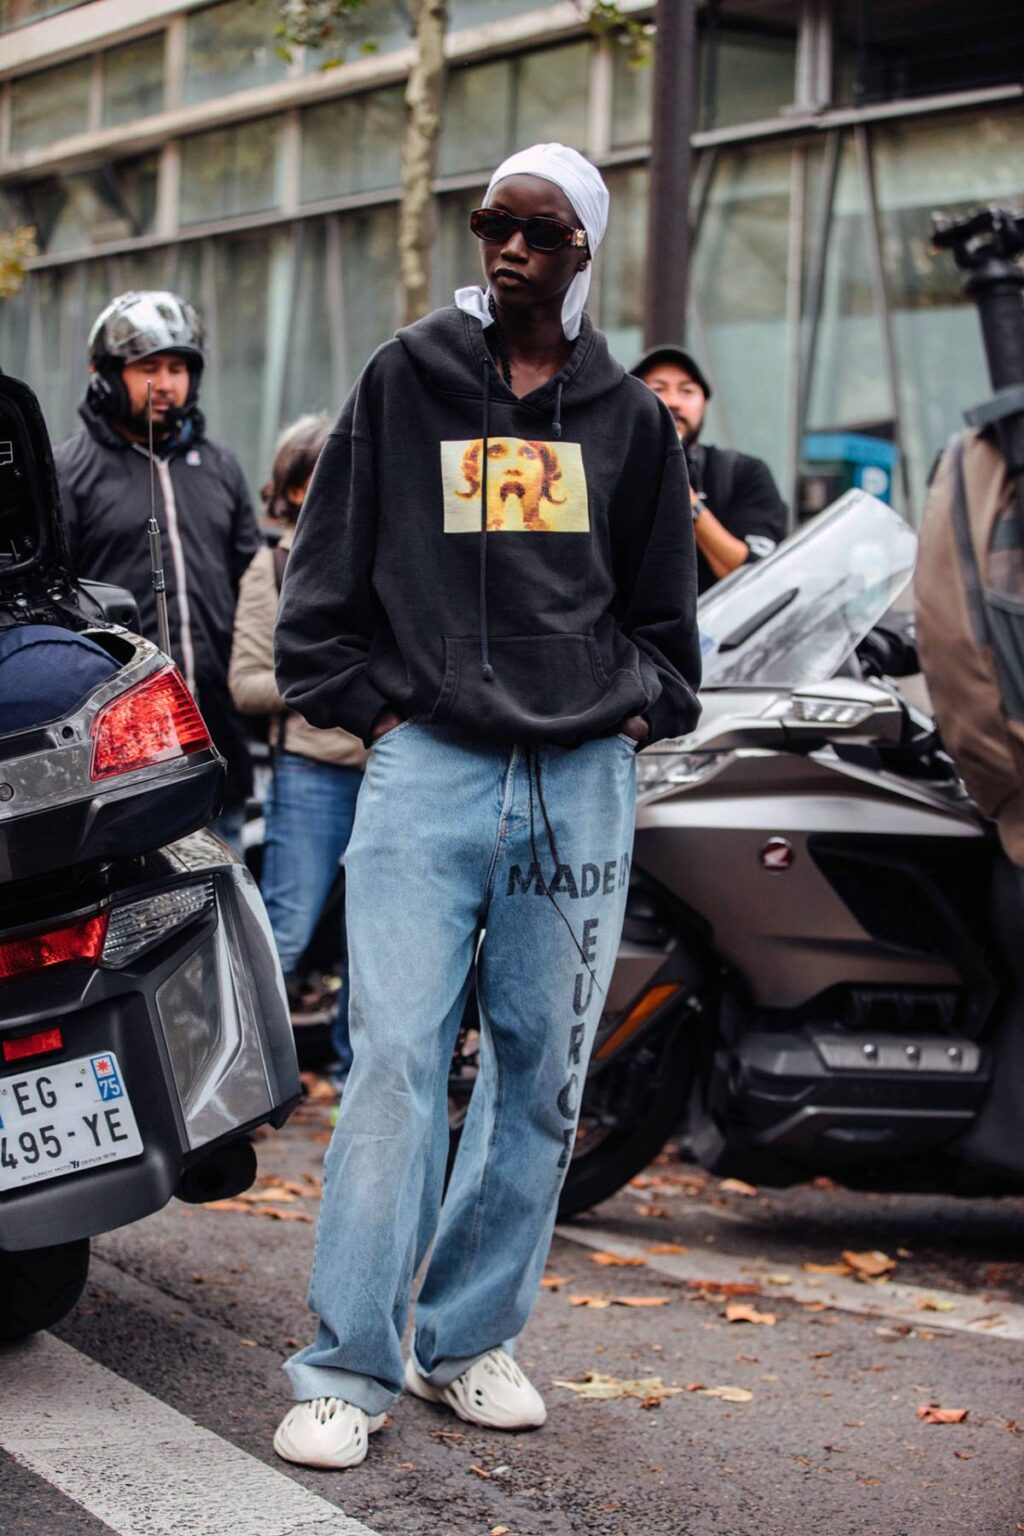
pixel 325 1432
pixel 493 1392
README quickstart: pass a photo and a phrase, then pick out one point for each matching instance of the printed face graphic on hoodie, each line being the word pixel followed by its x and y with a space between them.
pixel 532 487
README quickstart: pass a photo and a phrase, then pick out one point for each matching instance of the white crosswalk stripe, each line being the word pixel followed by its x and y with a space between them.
pixel 138 1465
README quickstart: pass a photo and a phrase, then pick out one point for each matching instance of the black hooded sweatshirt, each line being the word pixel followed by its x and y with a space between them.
pixel 573 610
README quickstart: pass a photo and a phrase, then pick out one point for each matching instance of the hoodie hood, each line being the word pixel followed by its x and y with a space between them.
pixel 449 350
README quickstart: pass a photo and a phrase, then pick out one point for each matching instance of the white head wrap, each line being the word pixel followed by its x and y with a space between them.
pixel 583 185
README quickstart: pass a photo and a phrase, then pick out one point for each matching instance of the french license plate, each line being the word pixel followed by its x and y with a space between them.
pixel 66 1118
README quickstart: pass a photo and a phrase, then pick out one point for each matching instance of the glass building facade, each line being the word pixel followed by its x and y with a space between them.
pixel 176 147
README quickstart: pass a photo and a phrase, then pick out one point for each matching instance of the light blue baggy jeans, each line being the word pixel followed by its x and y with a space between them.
pixel 529 846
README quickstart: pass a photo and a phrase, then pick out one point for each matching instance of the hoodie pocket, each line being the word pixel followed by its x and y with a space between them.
pixel 545 687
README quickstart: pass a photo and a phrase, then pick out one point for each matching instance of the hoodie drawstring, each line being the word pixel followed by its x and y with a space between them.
pixel 486 670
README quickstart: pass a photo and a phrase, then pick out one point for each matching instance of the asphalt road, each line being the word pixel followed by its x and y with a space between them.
pixel 151 1409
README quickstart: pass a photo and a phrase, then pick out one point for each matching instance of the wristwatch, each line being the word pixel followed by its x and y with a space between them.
pixel 698 505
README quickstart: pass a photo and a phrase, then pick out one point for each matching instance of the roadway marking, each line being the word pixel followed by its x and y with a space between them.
pixel 924 1306
pixel 139 1465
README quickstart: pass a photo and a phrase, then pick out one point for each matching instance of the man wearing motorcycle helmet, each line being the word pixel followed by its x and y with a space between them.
pixel 208 530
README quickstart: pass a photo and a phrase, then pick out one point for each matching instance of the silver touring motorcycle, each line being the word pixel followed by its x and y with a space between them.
pixel 820 971
pixel 143 1026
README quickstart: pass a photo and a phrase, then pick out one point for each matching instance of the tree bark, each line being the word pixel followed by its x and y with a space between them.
pixel 424 103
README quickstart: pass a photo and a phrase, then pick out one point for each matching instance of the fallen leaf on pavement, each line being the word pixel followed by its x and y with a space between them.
pixel 249 1207
pixel 553 1282
pixel 590 1301
pixel 821 1354
pixel 318 1089
pixel 656 1212
pixel 728 1394
pixel 617 1260
pixel 307 1186
pixel 668 1248
pixel 447 1434
pixel 406 1466
pixel 500 1530
pixel 969 1456
pixel 737 1187
pixel 779 1279
pixel 934 1304
pixel 480 1471
pixel 716 1290
pixel 275 1192
pixel 605 1388
pixel 641 1301
pixel 869 1266
pixel 742 1312
pixel 931 1413
pixel 825 1269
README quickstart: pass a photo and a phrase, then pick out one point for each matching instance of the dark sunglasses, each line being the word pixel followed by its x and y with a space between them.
pixel 495 226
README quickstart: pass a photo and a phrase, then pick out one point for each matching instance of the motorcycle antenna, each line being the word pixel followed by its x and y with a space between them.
pixel 156 554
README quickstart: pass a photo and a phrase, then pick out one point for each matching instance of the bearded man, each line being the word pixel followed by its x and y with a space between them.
pixel 154 341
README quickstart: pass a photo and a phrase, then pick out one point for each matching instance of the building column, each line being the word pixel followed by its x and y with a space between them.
pixel 672 124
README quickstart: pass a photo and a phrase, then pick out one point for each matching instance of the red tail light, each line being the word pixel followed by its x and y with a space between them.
pixel 42 1043
pixel 35 951
pixel 153 723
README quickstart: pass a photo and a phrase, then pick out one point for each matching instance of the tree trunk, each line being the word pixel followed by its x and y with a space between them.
pixel 672 123
pixel 424 102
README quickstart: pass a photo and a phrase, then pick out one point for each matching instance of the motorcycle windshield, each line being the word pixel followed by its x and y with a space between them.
pixel 794 618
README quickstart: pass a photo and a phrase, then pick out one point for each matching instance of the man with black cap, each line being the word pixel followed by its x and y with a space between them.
pixel 738 514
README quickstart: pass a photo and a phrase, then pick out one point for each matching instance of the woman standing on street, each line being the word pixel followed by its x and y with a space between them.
pixel 317 773
pixel 493 584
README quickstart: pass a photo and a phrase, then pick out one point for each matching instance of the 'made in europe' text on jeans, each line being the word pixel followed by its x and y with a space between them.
pixel 530 845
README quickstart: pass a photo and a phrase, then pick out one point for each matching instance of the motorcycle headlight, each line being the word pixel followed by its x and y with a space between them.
pixel 137 925
pixel 663 773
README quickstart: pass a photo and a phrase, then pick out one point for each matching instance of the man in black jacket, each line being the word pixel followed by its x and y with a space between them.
pixel 208 530
pixel 738 514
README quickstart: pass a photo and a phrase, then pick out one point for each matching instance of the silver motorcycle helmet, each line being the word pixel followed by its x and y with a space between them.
pixel 137 325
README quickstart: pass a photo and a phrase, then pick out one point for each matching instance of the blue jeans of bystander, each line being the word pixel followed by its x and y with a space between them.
pixel 309 814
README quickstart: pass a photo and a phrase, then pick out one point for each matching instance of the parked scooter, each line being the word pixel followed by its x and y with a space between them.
pixel 821 965
pixel 144 1032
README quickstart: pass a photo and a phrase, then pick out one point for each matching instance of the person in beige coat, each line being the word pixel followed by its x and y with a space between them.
pixel 317 773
